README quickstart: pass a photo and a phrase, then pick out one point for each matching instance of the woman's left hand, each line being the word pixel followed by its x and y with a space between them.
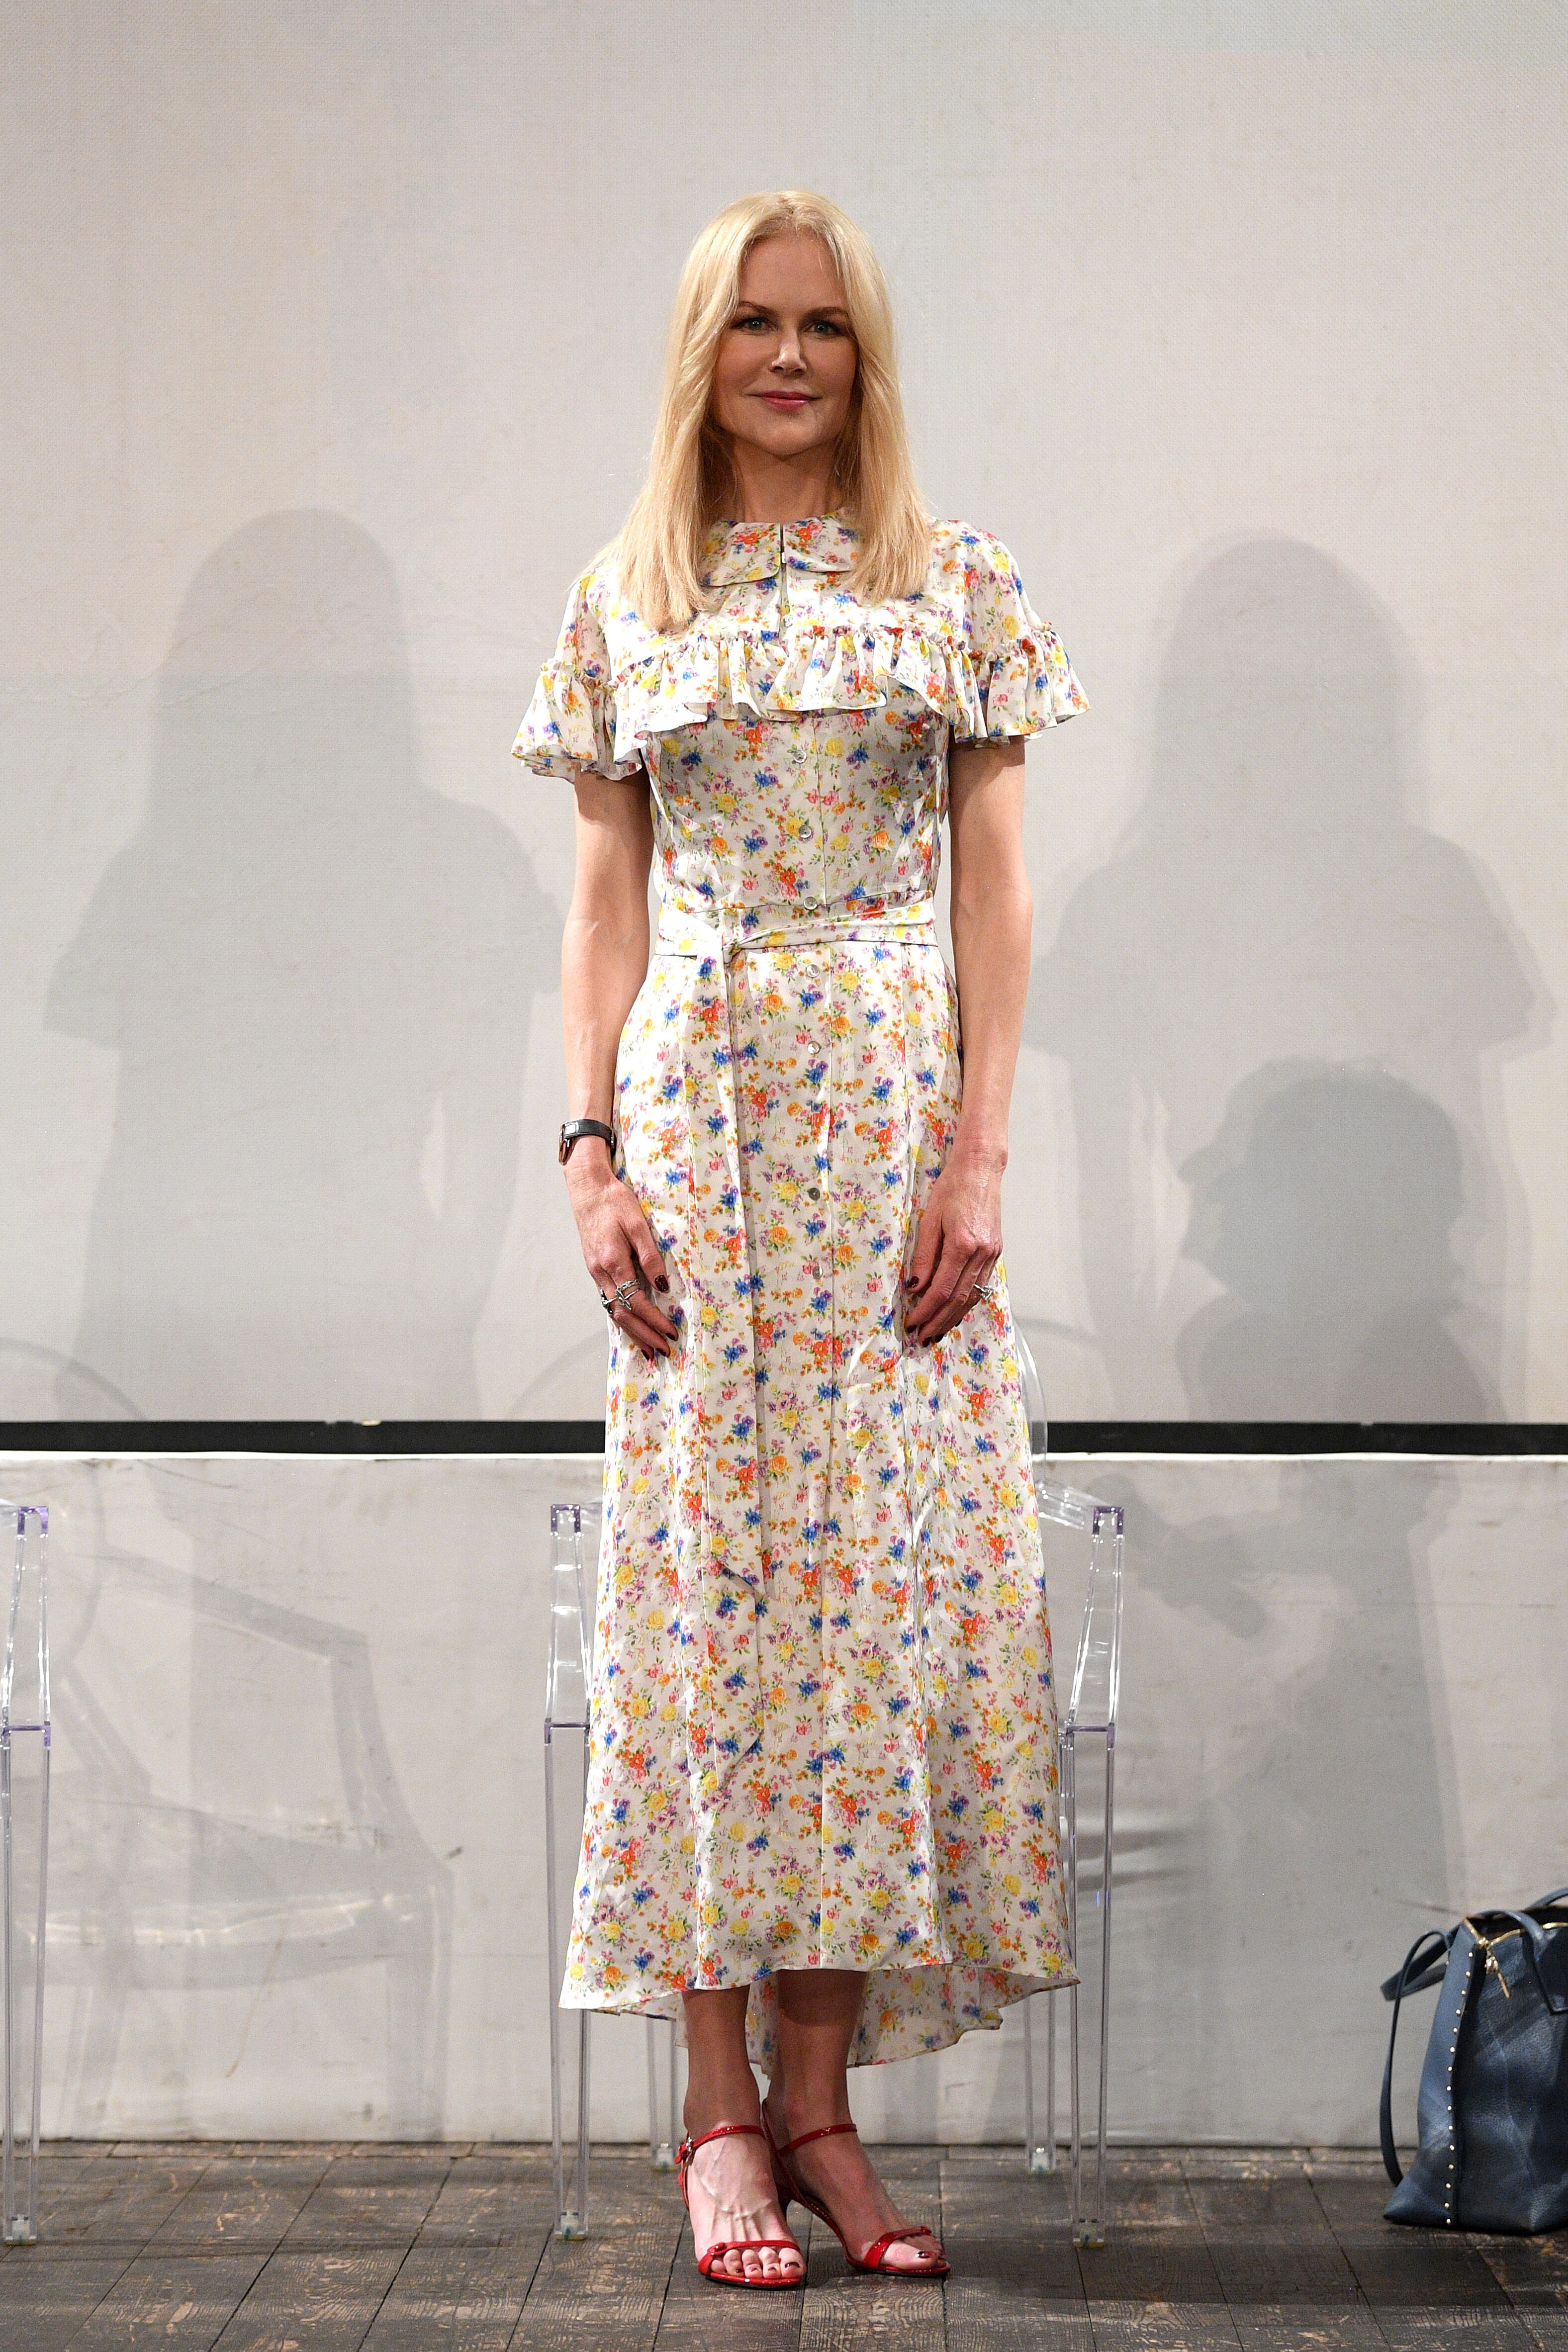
pixel 956 1248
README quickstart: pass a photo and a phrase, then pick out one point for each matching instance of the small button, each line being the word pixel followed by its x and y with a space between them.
pixel 805 833
pixel 814 1191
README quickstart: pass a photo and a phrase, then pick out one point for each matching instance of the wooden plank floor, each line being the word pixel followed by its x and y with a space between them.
pixel 449 2249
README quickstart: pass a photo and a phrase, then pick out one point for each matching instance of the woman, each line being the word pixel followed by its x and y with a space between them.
pixel 822 1805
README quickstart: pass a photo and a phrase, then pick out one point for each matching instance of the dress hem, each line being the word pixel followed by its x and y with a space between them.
pixel 1005 1988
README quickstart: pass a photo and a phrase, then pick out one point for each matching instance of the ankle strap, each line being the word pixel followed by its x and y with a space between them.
pixel 688 2146
pixel 822 2131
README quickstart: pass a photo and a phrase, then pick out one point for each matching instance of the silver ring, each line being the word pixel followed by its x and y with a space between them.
pixel 624 1293
pixel 986 1290
pixel 607 1304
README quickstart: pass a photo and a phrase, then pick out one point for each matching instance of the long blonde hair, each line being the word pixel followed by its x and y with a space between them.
pixel 691 480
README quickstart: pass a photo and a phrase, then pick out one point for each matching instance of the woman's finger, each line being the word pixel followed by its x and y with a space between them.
pixel 631 1309
pixel 639 1240
pixel 615 1268
pixel 645 1249
pixel 635 1320
pixel 927 1248
pixel 957 1249
pixel 974 1270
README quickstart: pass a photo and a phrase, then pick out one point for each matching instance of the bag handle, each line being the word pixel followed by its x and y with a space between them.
pixel 1425 1963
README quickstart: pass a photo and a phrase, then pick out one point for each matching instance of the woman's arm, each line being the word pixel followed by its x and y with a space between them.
pixel 604 959
pixel 960 1237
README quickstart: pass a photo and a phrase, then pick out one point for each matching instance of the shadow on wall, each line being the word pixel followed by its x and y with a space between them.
pixel 1326 1204
pixel 229 1825
pixel 1286 992
pixel 1288 1780
pixel 318 976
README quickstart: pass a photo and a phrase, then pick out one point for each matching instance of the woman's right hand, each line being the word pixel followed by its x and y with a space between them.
pixel 618 1248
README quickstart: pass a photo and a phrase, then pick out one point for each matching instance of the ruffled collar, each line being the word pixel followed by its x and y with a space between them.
pixel 759 550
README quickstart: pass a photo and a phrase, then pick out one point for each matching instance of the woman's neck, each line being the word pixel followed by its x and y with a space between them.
pixel 780 489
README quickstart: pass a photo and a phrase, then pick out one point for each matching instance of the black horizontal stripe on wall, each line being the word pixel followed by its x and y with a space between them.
pixel 1110 1437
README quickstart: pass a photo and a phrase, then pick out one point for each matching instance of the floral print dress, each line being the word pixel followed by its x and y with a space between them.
pixel 823 1727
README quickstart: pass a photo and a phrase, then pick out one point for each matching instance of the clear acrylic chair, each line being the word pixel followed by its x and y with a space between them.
pixel 574 1530
pixel 568 1680
pixel 1087 1752
pixel 24 1866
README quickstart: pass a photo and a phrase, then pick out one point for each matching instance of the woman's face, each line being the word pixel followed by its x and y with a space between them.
pixel 786 361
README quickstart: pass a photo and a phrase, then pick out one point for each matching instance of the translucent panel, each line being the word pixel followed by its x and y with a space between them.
pixel 573 1531
pixel 1096 1670
pixel 24 1859
pixel 1033 1403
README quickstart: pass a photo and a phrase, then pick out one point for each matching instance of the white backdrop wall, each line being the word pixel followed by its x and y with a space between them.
pixel 298 1859
pixel 333 337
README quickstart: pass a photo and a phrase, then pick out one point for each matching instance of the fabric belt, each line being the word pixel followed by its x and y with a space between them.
pixel 730 930
pixel 717 1540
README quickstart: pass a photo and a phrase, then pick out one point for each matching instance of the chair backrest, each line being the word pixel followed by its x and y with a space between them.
pixel 1097 1668
pixel 25 1659
pixel 1034 1402
pixel 569 1667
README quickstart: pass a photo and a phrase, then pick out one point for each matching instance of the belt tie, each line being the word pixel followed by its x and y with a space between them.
pixel 719 1550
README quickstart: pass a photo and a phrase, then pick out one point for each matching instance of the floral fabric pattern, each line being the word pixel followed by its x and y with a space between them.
pixel 823 1722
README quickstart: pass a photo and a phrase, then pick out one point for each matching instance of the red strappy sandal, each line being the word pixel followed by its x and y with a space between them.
pixel 721 2246
pixel 874 2257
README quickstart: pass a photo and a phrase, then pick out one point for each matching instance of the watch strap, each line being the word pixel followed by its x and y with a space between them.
pixel 574 1129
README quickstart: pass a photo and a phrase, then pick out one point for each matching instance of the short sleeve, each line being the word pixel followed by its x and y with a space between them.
pixel 570 722
pixel 1024 678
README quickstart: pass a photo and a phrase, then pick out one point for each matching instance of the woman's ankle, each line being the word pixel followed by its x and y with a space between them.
pixel 709 2105
pixel 807 2106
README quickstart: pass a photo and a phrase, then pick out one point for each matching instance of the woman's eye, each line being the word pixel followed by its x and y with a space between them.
pixel 749 319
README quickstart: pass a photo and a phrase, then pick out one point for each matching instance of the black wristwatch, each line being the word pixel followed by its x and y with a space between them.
pixel 575 1129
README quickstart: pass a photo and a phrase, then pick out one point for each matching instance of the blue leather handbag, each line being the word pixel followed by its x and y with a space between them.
pixel 1492 2111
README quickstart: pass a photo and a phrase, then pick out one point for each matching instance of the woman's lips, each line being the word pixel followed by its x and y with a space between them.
pixel 786 399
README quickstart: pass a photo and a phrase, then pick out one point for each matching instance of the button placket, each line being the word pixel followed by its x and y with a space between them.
pixel 813 831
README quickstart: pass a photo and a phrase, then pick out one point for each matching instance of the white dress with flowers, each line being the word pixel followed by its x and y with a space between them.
pixel 824 1726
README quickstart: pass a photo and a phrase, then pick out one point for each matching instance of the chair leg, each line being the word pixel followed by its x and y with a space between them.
pixel 662 2134
pixel 1089 1897
pixel 24 1871
pixel 1039 2149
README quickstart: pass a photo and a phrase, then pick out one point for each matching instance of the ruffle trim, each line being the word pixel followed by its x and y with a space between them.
pixel 575 721
pixel 567 726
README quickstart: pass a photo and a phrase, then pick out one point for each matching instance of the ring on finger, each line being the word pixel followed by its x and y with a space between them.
pixel 624 1293
pixel 986 1290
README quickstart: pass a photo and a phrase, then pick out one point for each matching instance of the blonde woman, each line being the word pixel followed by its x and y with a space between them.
pixel 821 1808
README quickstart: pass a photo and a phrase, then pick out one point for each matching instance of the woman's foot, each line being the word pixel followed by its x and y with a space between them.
pixel 838 2171
pixel 730 2188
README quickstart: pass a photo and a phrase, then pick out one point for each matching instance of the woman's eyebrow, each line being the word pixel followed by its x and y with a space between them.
pixel 817 310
